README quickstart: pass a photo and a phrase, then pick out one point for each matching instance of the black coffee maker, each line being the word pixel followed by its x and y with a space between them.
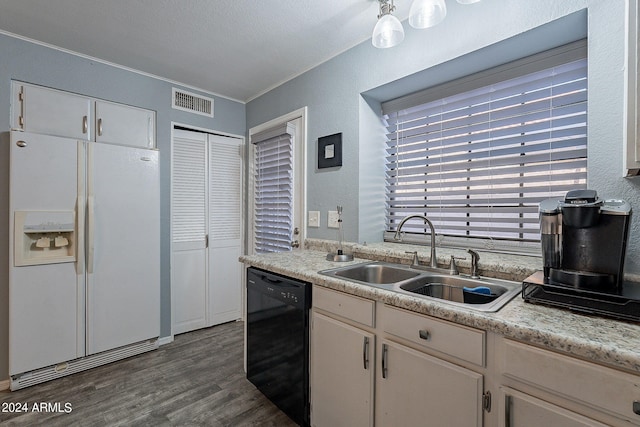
pixel 584 240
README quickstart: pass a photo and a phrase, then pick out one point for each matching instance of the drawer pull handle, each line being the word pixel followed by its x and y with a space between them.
pixel 365 353
pixel 424 334
pixel 636 407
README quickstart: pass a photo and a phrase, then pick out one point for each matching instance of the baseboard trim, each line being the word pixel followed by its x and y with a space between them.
pixel 4 385
pixel 165 340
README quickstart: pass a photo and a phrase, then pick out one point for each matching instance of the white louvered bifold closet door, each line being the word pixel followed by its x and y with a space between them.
pixel 225 229
pixel 189 234
pixel 207 218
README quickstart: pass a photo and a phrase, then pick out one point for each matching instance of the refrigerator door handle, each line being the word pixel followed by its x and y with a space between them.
pixel 80 211
pixel 90 231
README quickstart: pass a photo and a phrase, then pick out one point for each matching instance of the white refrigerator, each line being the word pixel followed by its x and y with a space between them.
pixel 84 250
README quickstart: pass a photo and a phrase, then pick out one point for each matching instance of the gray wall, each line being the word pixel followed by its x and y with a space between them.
pixel 343 94
pixel 28 62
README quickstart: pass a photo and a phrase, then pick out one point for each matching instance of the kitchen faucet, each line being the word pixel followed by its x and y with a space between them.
pixel 434 261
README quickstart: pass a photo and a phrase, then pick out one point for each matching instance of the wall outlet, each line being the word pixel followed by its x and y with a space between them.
pixel 332 219
pixel 314 219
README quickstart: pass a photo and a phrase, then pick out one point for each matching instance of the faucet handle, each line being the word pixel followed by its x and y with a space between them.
pixel 453 268
pixel 415 260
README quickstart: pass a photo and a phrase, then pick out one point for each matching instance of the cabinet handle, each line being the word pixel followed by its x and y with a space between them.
pixel 365 353
pixel 507 410
pixel 85 124
pixel 636 406
pixel 424 334
pixel 384 361
pixel 99 127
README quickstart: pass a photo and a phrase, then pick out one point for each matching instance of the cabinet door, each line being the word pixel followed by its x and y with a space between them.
pixel 522 410
pixel 342 374
pixel 57 113
pixel 122 124
pixel 417 389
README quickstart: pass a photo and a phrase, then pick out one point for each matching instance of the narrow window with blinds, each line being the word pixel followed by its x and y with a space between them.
pixel 478 162
pixel 273 194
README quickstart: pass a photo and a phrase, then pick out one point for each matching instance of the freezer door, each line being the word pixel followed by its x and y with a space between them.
pixel 46 301
pixel 123 246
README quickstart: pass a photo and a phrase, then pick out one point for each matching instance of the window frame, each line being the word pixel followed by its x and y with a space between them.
pixel 531 64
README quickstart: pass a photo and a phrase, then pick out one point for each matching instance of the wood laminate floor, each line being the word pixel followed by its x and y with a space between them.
pixel 197 380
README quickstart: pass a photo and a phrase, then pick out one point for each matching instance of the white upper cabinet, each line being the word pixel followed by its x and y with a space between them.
pixel 51 112
pixel 47 111
pixel 122 124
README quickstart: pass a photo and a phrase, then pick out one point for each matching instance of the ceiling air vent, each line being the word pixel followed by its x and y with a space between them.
pixel 187 101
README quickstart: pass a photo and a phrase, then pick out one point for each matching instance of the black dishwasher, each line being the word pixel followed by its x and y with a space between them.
pixel 278 340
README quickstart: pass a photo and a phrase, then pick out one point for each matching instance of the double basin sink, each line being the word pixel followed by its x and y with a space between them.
pixel 482 294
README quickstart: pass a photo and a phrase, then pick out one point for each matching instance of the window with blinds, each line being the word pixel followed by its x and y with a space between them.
pixel 273 194
pixel 477 158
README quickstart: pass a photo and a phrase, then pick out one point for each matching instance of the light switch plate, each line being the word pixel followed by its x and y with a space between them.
pixel 314 219
pixel 332 219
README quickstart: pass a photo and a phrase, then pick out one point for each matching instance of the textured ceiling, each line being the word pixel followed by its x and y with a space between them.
pixel 236 48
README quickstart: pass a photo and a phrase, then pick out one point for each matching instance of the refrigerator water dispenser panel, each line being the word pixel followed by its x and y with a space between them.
pixel 44 237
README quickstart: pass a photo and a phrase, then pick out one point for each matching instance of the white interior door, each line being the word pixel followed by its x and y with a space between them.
pixel 225 229
pixel 207 229
pixel 189 230
pixel 123 246
pixel 283 221
pixel 46 301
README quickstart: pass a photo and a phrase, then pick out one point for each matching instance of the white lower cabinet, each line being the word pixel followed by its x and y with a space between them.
pixel 545 388
pixel 342 371
pixel 522 410
pixel 376 364
pixel 364 371
pixel 415 389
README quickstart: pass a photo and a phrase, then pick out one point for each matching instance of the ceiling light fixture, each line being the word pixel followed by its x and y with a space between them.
pixel 426 13
pixel 389 32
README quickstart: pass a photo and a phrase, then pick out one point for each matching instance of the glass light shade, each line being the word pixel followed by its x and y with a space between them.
pixel 468 1
pixel 388 32
pixel 426 13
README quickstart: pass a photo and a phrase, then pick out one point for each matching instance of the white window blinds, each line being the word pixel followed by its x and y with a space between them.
pixel 478 162
pixel 273 194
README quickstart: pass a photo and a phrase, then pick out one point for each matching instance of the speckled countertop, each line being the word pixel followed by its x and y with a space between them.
pixel 601 340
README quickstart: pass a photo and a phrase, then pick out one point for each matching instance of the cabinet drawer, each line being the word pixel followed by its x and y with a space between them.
pixel 596 386
pixel 350 307
pixel 465 343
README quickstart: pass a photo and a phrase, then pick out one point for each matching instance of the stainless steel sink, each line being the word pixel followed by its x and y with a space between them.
pixel 482 294
pixel 376 273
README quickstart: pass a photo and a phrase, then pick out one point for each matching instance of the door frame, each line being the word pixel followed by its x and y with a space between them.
pixel 300 175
